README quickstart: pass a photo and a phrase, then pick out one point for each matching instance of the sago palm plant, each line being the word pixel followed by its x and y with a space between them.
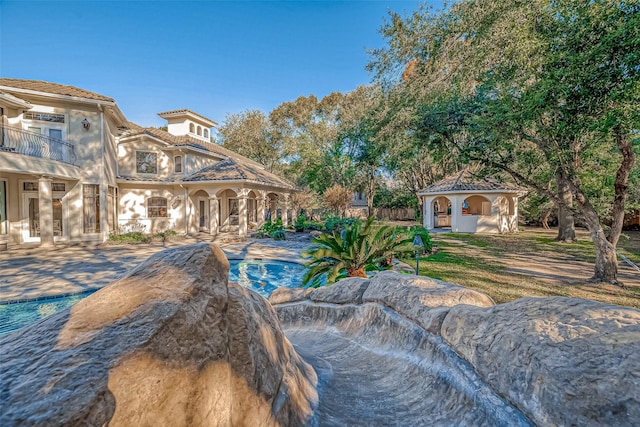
pixel 350 253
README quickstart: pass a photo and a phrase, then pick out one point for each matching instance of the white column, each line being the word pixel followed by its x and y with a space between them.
pixel 242 215
pixel 45 206
pixel 427 212
pixel 213 215
pixel 261 205
pixel 456 212
pixel 285 211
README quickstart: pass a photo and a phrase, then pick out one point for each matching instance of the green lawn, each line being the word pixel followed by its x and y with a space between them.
pixel 480 262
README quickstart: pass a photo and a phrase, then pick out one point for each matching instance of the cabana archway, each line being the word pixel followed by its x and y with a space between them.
pixel 476 205
pixel 441 217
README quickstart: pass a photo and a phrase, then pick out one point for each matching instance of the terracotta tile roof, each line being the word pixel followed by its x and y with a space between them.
pixel 184 141
pixel 168 180
pixel 53 88
pixel 465 181
pixel 230 169
pixel 186 111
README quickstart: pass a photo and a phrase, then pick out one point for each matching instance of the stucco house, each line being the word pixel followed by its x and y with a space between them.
pixel 73 168
pixel 464 203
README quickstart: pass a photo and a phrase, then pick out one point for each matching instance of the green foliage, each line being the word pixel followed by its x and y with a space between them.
pixel 279 235
pixel 130 237
pixel 546 93
pixel 300 222
pixel 418 230
pixel 314 225
pixel 270 226
pixel 349 253
pixel 394 199
pixel 166 235
pixel 335 223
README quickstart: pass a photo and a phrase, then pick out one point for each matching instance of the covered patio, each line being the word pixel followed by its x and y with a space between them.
pixel 465 203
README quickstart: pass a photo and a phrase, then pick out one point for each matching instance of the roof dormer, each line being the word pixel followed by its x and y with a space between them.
pixel 186 122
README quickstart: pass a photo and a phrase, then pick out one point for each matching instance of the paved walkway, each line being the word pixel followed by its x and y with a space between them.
pixel 37 272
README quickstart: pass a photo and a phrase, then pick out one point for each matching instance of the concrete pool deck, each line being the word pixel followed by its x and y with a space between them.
pixel 28 273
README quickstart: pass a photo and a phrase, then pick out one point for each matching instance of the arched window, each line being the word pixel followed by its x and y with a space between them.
pixel 205 133
pixel 177 164
pixel 199 131
pixel 192 128
pixel 156 207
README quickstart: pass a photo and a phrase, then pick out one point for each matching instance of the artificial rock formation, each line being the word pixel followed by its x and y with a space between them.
pixel 172 343
pixel 376 344
pixel 563 361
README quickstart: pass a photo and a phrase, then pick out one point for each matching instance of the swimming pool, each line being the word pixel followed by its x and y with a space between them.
pixel 261 276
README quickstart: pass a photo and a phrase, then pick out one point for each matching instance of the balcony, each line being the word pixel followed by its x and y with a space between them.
pixel 16 140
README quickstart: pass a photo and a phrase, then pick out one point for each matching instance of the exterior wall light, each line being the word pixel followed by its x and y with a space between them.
pixel 85 124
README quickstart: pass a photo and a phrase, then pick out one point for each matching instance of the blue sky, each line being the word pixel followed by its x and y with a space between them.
pixel 212 57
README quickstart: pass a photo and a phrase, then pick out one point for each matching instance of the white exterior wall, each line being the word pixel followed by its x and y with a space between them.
pixel 498 221
pixel 95 163
pixel 132 208
pixel 127 159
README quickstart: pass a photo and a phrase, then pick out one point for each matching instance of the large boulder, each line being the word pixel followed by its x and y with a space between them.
pixel 561 361
pixel 171 343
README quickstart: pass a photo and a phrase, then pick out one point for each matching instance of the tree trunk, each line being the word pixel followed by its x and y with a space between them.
pixel 371 191
pixel 358 272
pixel 606 268
pixel 566 225
pixel 621 184
pixel 545 219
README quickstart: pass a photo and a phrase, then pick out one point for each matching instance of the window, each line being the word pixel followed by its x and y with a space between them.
pixel 177 164
pixel 205 133
pixel 199 131
pixel 192 128
pixel 3 207
pixel 45 117
pixel 146 162
pixel 91 208
pixel 156 207
pixel 57 186
pixel 30 186
pixel 111 208
pixel 55 133
pixel 57 217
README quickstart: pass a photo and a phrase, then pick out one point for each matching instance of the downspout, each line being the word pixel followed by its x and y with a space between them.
pixel 186 217
pixel 103 184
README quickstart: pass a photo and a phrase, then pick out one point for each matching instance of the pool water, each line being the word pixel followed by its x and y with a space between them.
pixel 260 276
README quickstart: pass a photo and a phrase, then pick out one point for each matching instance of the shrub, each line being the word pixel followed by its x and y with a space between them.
pixel 166 235
pixel 279 235
pixel 130 237
pixel 351 252
pixel 313 225
pixel 300 222
pixel 335 223
pixel 337 198
pixel 424 235
pixel 271 226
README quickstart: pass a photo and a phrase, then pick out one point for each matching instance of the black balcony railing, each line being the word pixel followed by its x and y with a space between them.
pixel 16 140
